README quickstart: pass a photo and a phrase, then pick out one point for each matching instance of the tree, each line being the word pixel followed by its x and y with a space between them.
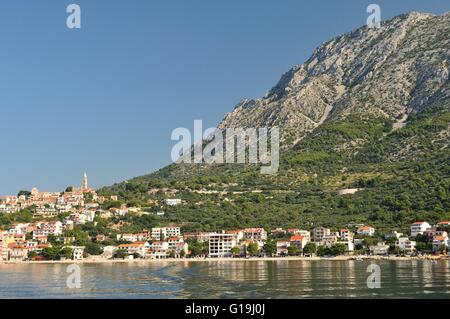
pixel 270 247
pixel 25 215
pixel 32 254
pixel 51 253
pixel 235 251
pixel 69 189
pixel 120 254
pixel 338 249
pixel 195 247
pixel 310 248
pixel 93 248
pixel 136 256
pixel 333 250
pixel 52 239
pixel 66 253
pixel 24 193
pixel 293 250
pixel 370 241
pixel 252 249
pixel 88 197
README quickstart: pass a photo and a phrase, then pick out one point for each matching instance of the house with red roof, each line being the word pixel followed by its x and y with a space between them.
pixel 366 231
pixel 139 247
pixel 440 243
pixel 299 241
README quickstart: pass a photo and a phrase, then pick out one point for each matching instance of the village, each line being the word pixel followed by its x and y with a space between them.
pixel 46 240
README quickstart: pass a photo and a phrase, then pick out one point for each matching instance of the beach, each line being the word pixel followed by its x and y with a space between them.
pixel 94 260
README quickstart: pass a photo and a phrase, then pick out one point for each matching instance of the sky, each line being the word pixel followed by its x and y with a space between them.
pixel 105 98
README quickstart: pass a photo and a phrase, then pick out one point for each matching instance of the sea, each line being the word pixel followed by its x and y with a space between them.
pixel 267 279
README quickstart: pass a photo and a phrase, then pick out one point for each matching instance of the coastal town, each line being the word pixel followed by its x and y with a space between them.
pixel 51 234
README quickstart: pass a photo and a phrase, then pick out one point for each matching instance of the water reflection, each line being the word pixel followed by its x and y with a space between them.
pixel 229 279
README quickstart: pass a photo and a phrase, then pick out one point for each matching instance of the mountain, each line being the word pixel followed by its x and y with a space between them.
pixel 389 72
pixel 370 109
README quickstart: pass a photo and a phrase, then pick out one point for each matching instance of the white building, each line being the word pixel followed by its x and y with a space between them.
pixel 177 244
pixel 257 235
pixel 220 244
pixel 440 243
pixel 328 240
pixel 393 234
pixel 366 231
pixel 349 246
pixel 172 201
pixel 140 248
pixel 161 233
pixel 379 249
pixel 406 245
pixel 418 228
pixel 77 252
pixel 127 237
pixel 298 241
pixel 17 252
pixel 443 224
pixel 305 234
pixel 346 234
pixel 282 247
pixel 319 232
pixel 238 233
pixel 109 251
pixel 158 249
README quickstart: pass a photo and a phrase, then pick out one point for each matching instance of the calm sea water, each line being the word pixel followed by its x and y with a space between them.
pixel 230 279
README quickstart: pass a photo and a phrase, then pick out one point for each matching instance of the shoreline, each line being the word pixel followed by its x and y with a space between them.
pixel 227 259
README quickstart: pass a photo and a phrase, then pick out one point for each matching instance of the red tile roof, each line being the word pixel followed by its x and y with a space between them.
pixel 297 238
pixel 135 244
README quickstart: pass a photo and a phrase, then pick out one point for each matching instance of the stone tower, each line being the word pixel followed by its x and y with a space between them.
pixel 84 184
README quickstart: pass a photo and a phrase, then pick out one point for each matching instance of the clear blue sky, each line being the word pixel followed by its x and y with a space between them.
pixel 105 99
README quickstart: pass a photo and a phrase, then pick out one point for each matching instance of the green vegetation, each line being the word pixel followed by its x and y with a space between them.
pixel 56 253
pixel 361 151
pixel 120 254
pixel 310 248
pixel 270 247
pixel 235 251
pixel 293 251
pixel 333 250
pixel 252 249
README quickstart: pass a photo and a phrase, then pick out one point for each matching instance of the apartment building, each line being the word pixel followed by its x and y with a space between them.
pixel 140 248
pixel 282 247
pixel 406 245
pixel 366 231
pixel 220 244
pixel 255 234
pixel 158 249
pixel 319 232
pixel 345 234
pixel 418 228
pixel 298 241
pixel 161 233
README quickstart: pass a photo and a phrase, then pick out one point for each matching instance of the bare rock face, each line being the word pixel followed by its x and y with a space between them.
pixel 399 68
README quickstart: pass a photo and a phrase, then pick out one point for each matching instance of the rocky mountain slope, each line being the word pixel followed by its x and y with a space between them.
pixel 391 71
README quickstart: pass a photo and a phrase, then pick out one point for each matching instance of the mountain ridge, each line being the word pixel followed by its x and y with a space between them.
pixel 370 109
pixel 309 93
